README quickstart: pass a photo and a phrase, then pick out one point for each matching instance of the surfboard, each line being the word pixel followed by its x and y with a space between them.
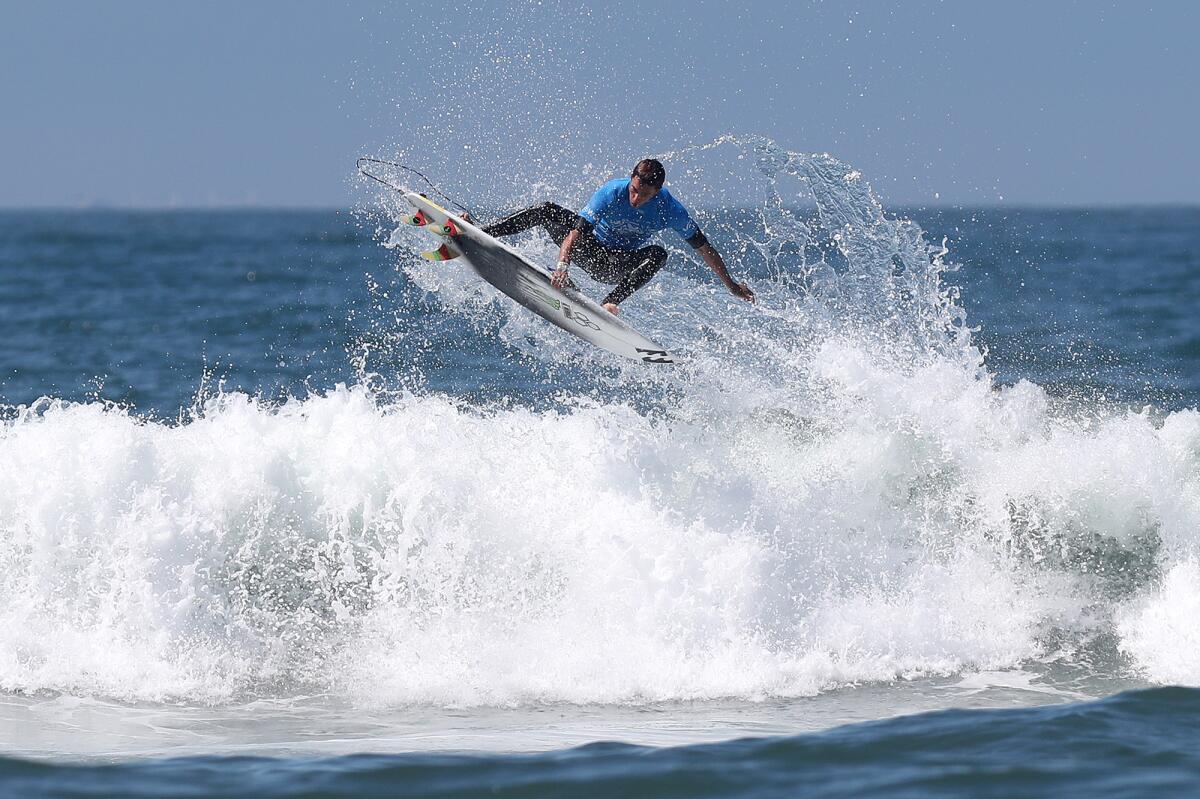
pixel 518 278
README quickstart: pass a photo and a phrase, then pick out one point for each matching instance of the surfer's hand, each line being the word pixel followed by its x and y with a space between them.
pixel 559 278
pixel 611 307
pixel 742 290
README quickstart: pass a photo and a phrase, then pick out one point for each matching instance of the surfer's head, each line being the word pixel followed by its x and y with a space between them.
pixel 647 178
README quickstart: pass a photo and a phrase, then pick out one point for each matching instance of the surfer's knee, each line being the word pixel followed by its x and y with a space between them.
pixel 648 261
pixel 653 257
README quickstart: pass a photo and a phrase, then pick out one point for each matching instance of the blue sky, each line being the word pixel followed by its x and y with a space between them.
pixel 269 103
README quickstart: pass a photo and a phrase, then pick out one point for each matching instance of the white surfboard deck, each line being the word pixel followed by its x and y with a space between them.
pixel 518 278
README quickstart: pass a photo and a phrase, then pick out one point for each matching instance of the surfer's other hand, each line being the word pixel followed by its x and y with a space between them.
pixel 611 307
pixel 559 278
pixel 743 291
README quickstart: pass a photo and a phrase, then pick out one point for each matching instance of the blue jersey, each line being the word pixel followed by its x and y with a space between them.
pixel 621 226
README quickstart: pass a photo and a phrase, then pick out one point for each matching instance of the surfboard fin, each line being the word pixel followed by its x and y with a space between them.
pixel 443 253
pixel 418 219
pixel 448 229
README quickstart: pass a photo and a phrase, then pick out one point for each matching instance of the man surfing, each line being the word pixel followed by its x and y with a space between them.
pixel 608 237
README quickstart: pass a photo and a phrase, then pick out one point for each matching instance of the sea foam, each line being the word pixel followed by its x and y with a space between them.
pixel 829 490
pixel 426 551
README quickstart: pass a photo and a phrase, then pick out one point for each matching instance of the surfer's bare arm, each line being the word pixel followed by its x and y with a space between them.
pixel 559 279
pixel 717 264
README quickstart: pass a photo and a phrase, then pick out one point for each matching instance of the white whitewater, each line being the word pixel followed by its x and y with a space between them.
pixel 837 495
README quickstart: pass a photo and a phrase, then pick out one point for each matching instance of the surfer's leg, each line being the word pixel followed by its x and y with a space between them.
pixel 554 219
pixel 645 264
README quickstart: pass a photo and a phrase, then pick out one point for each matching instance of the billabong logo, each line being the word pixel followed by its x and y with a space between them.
pixel 654 356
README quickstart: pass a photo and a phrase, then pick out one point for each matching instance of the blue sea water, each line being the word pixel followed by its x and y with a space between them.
pixel 287 511
pixel 1134 744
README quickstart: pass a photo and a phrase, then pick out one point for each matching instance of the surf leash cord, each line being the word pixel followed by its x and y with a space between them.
pixel 364 167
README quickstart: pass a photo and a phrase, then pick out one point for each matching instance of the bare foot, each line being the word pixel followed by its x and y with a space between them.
pixel 611 308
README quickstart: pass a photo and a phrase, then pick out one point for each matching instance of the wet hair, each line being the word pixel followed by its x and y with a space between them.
pixel 651 171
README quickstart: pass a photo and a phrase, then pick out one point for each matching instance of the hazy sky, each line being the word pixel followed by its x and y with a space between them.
pixel 269 103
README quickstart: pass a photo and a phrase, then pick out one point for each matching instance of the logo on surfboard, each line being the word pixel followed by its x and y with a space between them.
pixel 558 305
pixel 654 356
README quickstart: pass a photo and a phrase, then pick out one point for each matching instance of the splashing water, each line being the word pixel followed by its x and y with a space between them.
pixel 831 491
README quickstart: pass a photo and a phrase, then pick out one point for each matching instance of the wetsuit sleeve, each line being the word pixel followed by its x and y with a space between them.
pixel 682 223
pixel 590 214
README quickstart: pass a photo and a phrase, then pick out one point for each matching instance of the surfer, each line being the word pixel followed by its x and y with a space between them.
pixel 608 237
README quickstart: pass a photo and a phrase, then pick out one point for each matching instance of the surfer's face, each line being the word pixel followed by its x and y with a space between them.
pixel 640 193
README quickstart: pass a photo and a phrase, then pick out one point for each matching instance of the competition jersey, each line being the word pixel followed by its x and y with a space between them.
pixel 619 225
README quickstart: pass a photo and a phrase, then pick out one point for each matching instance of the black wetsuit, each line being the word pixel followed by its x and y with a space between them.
pixel 628 269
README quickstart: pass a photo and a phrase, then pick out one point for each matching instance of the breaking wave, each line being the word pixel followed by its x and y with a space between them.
pixel 831 490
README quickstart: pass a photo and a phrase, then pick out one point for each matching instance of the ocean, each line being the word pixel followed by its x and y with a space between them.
pixel 288 511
